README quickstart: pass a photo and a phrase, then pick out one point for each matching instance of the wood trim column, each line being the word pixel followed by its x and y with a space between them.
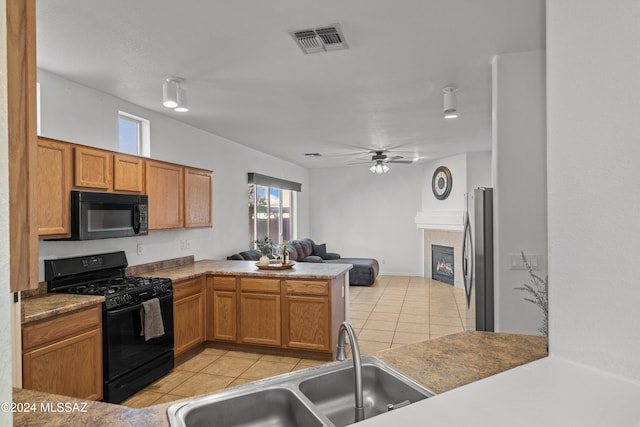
pixel 21 94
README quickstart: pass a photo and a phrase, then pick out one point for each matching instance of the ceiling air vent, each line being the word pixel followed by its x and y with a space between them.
pixel 322 39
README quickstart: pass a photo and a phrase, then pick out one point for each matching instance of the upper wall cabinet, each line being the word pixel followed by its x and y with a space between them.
pixel 165 186
pixel 197 197
pixel 54 185
pixel 179 196
pixel 128 173
pixel 92 168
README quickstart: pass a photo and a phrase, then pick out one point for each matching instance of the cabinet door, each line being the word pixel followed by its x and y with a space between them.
pixel 128 173
pixel 188 315
pixel 224 315
pixel 92 168
pixel 307 322
pixel 70 367
pixel 164 183
pixel 260 318
pixel 54 186
pixel 197 197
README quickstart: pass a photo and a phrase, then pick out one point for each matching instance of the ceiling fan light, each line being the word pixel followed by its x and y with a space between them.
pixel 373 169
pixel 385 168
pixel 170 94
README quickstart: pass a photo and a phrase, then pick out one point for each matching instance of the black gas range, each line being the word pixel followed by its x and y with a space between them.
pixel 131 361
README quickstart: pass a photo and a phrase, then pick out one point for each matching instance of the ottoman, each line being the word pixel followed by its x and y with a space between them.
pixel 364 271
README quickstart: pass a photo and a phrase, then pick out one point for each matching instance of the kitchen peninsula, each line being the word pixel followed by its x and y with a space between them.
pixel 236 305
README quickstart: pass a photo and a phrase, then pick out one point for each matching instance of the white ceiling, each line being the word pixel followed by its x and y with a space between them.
pixel 249 82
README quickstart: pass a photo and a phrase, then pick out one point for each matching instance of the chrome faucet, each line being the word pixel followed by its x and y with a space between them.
pixel 357 363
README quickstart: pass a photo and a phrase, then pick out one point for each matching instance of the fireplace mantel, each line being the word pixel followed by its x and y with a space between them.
pixel 447 220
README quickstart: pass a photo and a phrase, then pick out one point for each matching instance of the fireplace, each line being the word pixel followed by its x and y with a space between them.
pixel 442 264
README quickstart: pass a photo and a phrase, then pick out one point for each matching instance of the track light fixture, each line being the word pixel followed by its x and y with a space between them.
pixel 174 96
pixel 450 109
pixel 379 168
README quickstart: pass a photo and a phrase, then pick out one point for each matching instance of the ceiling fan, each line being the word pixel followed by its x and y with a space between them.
pixel 380 161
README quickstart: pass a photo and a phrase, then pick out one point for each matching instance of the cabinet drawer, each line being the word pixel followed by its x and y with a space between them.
pixel 187 288
pixel 259 285
pixel 223 283
pixel 63 325
pixel 307 287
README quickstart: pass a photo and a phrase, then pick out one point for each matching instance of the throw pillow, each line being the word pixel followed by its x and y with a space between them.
pixel 320 250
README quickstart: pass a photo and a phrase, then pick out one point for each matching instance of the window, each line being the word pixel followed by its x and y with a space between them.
pixel 133 134
pixel 271 208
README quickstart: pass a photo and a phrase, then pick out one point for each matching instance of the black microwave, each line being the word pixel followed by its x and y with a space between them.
pixel 108 215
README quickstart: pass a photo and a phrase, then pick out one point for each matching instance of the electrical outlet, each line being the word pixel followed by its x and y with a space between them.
pixel 140 249
pixel 182 244
pixel 187 244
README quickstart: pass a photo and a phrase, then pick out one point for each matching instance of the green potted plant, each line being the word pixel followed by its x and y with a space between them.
pixel 264 246
pixel 538 288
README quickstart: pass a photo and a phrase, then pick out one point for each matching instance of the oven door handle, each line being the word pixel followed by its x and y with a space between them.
pixel 135 306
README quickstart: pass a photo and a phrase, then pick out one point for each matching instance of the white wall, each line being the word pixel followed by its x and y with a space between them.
pixel 455 202
pixel 361 215
pixel 594 182
pixel 478 170
pixel 75 113
pixel 519 181
pixel 5 290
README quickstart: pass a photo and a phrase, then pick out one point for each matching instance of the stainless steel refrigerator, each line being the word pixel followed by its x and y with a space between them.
pixel 477 260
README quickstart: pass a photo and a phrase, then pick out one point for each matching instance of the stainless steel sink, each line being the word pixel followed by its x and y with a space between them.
pixel 333 393
pixel 270 407
pixel 319 396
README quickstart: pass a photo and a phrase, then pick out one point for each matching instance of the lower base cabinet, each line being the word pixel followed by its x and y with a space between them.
pixel 188 314
pixel 297 315
pixel 63 355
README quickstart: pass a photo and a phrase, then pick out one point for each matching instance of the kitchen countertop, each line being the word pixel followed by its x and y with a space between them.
pixel 440 365
pixel 301 270
pixel 48 305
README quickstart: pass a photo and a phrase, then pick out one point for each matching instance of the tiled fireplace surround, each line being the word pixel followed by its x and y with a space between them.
pixel 444 238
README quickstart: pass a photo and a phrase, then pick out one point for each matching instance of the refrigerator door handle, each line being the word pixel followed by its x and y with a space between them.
pixel 467 258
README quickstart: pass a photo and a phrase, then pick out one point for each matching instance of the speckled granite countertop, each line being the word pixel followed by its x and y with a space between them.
pixel 455 360
pixel 43 306
pixel 301 270
pixel 47 305
pixel 440 365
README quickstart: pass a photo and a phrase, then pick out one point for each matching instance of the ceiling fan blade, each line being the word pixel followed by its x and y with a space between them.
pixel 394 158
pixel 401 161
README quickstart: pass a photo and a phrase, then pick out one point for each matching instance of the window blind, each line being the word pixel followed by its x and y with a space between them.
pixel 269 181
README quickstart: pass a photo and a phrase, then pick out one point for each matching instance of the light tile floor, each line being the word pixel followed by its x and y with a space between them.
pixel 396 310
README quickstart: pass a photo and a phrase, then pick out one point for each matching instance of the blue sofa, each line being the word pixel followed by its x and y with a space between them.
pixel 363 273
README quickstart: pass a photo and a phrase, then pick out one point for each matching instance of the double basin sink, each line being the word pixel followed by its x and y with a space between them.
pixel 319 396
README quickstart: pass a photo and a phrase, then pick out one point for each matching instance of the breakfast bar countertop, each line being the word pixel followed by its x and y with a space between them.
pixel 440 365
pixel 300 270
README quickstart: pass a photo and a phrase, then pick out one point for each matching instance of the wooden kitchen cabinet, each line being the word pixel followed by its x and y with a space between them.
pixel 222 306
pixel 63 354
pixel 306 315
pixel 164 183
pixel 260 316
pixel 54 186
pixel 92 168
pixel 197 197
pixel 128 173
pixel 21 118
pixel 188 314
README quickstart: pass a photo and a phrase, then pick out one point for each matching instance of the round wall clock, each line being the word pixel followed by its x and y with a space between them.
pixel 441 182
